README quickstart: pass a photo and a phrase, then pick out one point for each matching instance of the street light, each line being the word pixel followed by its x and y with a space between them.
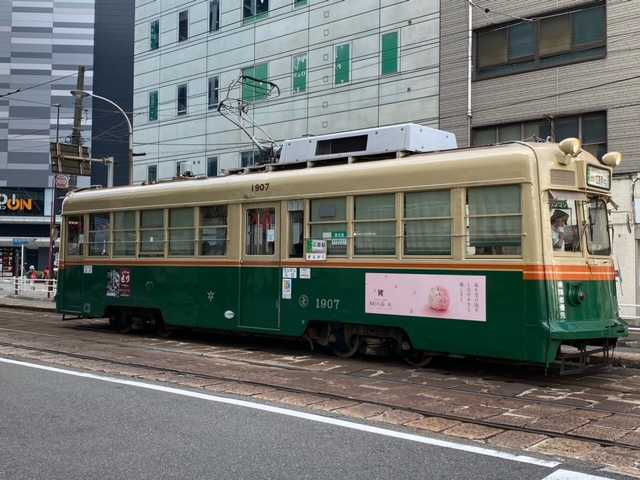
pixel 84 93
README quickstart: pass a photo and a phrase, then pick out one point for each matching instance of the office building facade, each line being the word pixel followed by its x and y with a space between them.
pixel 332 66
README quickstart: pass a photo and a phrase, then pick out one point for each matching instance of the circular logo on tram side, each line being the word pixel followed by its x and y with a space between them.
pixel 303 301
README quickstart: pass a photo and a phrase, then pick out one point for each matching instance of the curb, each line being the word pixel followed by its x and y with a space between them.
pixel 34 308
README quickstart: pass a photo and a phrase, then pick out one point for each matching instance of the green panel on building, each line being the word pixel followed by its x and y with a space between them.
pixel 343 63
pixel 300 73
pixel 390 49
pixel 253 90
pixel 153 106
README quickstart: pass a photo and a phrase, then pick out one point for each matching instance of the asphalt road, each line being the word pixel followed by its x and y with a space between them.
pixel 59 426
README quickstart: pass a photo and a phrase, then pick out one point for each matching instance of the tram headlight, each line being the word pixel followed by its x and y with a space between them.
pixel 571 147
pixel 612 159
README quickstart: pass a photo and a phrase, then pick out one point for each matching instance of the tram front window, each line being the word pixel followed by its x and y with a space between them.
pixel 565 233
pixel 596 216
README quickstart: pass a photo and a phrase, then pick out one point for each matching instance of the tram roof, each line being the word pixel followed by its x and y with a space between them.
pixel 507 163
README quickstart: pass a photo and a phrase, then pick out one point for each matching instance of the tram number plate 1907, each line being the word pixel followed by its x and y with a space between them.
pixel 327 303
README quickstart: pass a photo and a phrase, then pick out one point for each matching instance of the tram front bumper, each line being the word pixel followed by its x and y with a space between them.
pixel 588 329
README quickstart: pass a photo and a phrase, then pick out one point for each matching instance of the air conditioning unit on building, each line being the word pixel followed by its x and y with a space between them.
pixel 186 169
pixel 408 137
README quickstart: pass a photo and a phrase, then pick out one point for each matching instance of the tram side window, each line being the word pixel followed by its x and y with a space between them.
pixel 375 225
pixel 427 226
pixel 261 231
pixel 182 234
pixel 329 222
pixel 596 215
pixel 213 230
pixel 494 220
pixel 75 235
pixel 296 228
pixel 152 233
pixel 99 235
pixel 124 234
pixel 565 233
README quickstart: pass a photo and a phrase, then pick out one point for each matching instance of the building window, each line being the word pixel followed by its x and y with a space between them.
pixel 374 226
pixel 182 99
pixel 556 39
pixel 214 15
pixel 213 230
pixel 155 35
pixel 590 128
pixel 124 234
pixel 390 53
pixel 152 233
pixel 254 87
pixel 255 9
pixel 153 106
pixel 300 73
pixel 182 233
pixel 214 93
pixel 494 220
pixel 329 222
pixel 183 25
pixel 343 64
pixel 427 223
pixel 212 167
pixel 299 3
pixel 152 173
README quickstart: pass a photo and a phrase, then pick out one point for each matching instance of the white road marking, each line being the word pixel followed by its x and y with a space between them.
pixel 567 475
pixel 306 416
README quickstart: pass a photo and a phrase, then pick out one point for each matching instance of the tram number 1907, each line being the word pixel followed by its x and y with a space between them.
pixel 327 303
pixel 260 187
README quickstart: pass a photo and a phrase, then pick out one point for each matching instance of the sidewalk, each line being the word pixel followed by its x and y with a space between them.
pixel 27 304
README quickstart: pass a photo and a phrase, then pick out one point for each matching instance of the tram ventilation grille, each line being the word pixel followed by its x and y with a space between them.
pixel 566 178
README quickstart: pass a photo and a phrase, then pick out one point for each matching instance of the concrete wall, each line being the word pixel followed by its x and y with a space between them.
pixel 368 100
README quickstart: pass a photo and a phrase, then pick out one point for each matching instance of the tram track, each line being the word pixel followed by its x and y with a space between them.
pixel 358 373
pixel 424 412
pixel 426 377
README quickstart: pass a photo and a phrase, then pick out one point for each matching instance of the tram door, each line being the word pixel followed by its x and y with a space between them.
pixel 260 273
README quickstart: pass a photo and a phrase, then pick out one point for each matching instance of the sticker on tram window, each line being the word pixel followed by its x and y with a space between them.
pixel 316 250
pixel 119 283
pixel 454 297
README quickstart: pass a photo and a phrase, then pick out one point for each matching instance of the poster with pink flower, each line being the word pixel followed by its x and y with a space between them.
pixel 455 297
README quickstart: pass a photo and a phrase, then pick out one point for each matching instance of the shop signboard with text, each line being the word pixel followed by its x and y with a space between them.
pixel 21 202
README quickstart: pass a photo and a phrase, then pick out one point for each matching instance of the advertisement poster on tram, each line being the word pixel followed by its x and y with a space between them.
pixel 119 283
pixel 455 297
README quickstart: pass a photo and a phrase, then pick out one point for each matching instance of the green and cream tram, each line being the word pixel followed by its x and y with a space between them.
pixel 499 252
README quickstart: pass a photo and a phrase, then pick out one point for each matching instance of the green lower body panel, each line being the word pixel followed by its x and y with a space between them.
pixel 477 313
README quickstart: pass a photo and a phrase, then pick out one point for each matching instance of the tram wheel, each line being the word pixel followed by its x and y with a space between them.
pixel 345 346
pixel 125 322
pixel 417 358
pixel 161 328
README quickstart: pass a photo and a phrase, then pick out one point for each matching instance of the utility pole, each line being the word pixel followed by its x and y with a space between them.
pixel 76 136
pixel 52 224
